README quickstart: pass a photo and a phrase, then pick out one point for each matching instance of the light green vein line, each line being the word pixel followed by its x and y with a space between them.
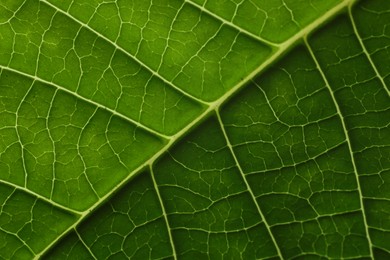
pixel 81 157
pixel 164 213
pixel 32 193
pixel 377 198
pixel 53 145
pixel 348 143
pixel 125 52
pixel 140 168
pixel 18 134
pixel 365 50
pixel 284 48
pixel 230 24
pixel 84 244
pixel 116 113
pixel 168 38
pixel 15 234
pixel 294 165
pixel 19 239
pixel 247 184
pixel 14 13
pixel 222 232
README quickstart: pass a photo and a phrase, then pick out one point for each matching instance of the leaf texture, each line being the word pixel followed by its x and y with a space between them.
pixel 194 129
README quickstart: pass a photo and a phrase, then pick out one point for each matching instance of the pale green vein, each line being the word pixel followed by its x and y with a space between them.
pixel 310 159
pixel 377 198
pixel 82 158
pixel 142 29
pixel 247 185
pixel 116 113
pixel 34 194
pixel 43 35
pixel 52 144
pixel 366 51
pixel 125 52
pixel 84 244
pixel 140 168
pixel 197 55
pixel 223 232
pixel 212 106
pixel 19 239
pixel 164 213
pixel 231 24
pixel 348 143
pixel 168 37
pixel 18 134
pixel 283 49
pixel 14 13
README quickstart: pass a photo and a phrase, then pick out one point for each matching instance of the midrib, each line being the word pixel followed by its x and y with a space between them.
pixel 211 108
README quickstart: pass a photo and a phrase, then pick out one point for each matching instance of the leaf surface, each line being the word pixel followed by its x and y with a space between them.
pixel 194 129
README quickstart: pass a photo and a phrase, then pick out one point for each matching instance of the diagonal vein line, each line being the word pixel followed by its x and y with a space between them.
pixel 32 193
pixel 168 38
pixel 84 244
pixel 19 239
pixel 231 24
pixel 345 130
pixel 164 213
pixel 294 165
pixel 247 184
pixel 206 113
pixel 125 52
pixel 283 49
pixel 116 113
pixel 52 142
pixel 365 49
pixel 22 147
pixel 16 235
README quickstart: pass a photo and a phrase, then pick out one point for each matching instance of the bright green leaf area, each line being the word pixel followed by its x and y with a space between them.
pixel 194 129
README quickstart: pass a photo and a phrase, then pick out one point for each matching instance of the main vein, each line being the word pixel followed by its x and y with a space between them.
pixel 213 106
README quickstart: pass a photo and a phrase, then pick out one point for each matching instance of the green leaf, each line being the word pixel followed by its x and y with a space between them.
pixel 194 129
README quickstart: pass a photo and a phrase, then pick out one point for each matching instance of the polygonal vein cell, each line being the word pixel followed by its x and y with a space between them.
pixel 207 204
pixel 363 101
pixel 371 21
pixel 28 224
pixel 291 146
pixel 130 226
pixel 69 145
pixel 275 21
pixel 177 41
pixel 75 58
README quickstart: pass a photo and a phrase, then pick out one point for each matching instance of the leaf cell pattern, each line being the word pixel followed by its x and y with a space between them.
pixel 194 129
